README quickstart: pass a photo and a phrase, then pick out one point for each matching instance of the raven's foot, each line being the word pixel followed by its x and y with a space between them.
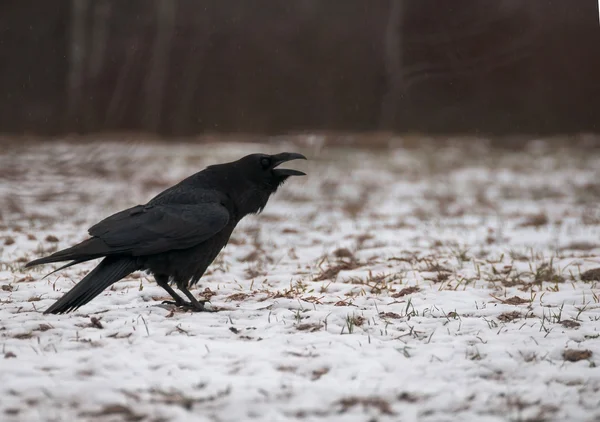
pixel 198 306
pixel 194 307
pixel 174 303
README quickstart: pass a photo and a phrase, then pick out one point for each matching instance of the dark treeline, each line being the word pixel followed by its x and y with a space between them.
pixel 268 66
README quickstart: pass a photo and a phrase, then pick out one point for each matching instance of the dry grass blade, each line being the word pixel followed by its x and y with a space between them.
pixel 331 272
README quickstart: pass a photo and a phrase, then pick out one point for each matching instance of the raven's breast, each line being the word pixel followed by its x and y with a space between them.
pixel 186 266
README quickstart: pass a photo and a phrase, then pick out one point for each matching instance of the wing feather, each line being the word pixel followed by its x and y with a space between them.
pixel 151 229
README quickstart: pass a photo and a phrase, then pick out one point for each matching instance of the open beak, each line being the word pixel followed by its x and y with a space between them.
pixel 284 157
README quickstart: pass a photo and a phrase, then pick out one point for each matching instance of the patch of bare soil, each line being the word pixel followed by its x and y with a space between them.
pixel 331 272
pixel 509 316
pixel 591 275
pixel 572 355
pixel 515 300
pixel 407 291
pixel 378 403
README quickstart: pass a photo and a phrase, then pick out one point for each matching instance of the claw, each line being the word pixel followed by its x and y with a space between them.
pixel 172 302
pixel 188 305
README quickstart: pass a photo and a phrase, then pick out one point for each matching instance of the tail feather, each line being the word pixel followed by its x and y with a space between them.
pixel 70 264
pixel 108 272
pixel 85 251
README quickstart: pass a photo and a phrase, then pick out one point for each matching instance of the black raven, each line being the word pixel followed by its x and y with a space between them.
pixel 177 234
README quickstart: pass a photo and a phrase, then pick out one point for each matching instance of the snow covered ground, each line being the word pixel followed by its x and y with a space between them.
pixel 434 284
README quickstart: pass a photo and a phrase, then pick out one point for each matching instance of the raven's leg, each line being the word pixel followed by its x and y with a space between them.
pixel 163 281
pixel 195 304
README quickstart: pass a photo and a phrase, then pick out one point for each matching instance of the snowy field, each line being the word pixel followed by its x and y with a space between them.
pixel 403 285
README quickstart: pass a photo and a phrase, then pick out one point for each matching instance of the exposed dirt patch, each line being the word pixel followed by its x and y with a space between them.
pixel 237 297
pixel 591 275
pixel 568 323
pixel 509 316
pixel 310 327
pixel 392 315
pixel 407 291
pixel 318 373
pixel 535 220
pixel 331 272
pixel 514 300
pixel 125 413
pixel 382 405
pixel 573 355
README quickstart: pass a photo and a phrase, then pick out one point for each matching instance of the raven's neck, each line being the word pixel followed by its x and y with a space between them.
pixel 251 200
pixel 247 197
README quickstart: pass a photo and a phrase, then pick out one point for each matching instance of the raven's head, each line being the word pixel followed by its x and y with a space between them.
pixel 266 167
pixel 263 170
pixel 262 176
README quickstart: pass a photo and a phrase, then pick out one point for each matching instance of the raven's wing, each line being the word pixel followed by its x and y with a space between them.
pixel 151 229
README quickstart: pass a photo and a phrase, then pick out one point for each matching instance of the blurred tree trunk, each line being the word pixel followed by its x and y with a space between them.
pixel 77 57
pixel 117 103
pixel 97 52
pixel 183 67
pixel 100 20
pixel 159 65
pixel 394 72
pixel 186 117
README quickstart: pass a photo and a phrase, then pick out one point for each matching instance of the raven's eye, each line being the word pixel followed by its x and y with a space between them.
pixel 265 162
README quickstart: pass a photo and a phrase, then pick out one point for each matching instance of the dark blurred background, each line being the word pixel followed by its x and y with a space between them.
pixel 187 67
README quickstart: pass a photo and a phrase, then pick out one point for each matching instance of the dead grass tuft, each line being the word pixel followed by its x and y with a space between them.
pixel 572 355
pixel 310 327
pixel 568 323
pixel 331 272
pixel 238 297
pixel 253 256
pixel 441 277
pixel 180 399
pixel 546 272
pixel 535 220
pixel 392 315
pixel 435 267
pixel 253 272
pixel 357 320
pixel 95 323
pixel 591 275
pixel 343 253
pixel 207 293
pixel 580 246
pixel 408 397
pixel 124 413
pixel 515 300
pixel 318 373
pixel 23 336
pixel 509 316
pixel 362 238
pixel 407 291
pixel 383 406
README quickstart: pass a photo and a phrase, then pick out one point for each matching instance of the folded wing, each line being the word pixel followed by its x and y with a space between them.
pixel 146 230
